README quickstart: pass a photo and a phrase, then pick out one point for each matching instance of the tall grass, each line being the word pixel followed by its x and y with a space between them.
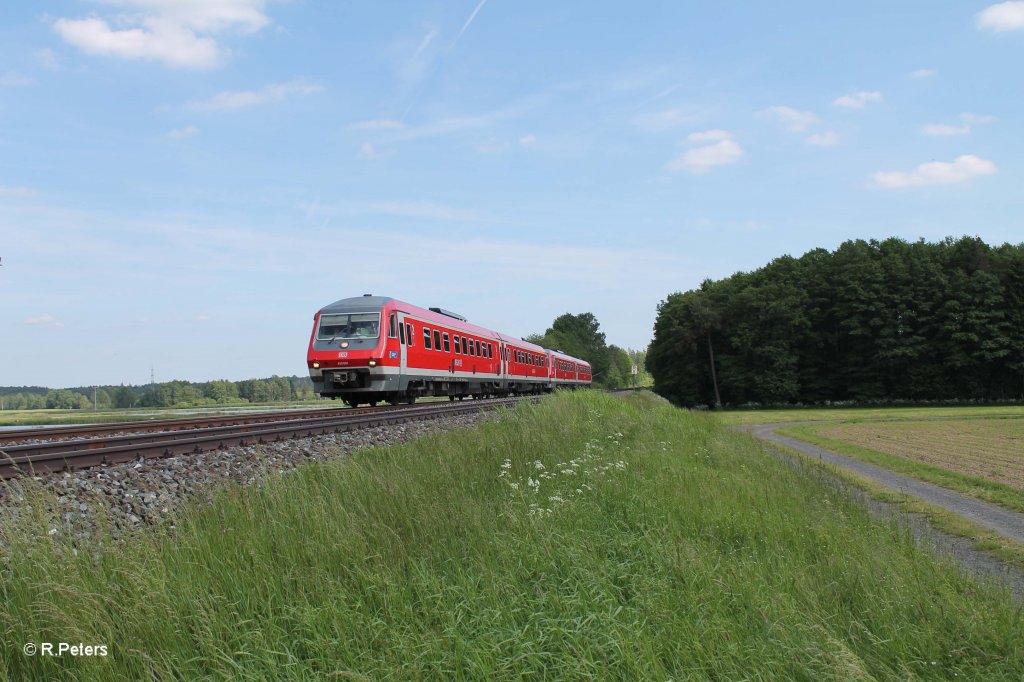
pixel 587 537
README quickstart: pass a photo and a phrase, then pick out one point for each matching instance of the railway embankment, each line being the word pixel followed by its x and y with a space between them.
pixel 588 536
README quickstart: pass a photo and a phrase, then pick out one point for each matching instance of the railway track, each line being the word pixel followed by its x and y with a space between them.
pixel 90 446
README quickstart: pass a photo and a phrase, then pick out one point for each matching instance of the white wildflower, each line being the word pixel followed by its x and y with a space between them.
pixel 513 485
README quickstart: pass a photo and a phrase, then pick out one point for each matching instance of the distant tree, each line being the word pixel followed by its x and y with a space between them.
pixel 124 396
pixel 62 399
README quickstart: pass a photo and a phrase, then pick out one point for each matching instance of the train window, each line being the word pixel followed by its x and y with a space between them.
pixel 477 344
pixel 458 344
pixel 408 333
pixel 447 347
pixel 470 343
pixel 392 324
pixel 437 340
pixel 401 334
pixel 490 352
pixel 426 338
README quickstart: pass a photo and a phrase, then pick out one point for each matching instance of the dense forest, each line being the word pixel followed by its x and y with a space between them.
pixel 166 394
pixel 871 321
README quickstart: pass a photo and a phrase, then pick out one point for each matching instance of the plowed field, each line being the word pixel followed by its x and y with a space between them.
pixel 991 449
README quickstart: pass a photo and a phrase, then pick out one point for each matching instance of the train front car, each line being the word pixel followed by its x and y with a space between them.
pixel 349 353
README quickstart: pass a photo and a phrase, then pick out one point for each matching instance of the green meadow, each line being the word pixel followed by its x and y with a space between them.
pixel 860 414
pixel 586 537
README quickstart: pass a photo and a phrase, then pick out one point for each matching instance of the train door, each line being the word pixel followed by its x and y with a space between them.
pixel 503 364
pixel 403 340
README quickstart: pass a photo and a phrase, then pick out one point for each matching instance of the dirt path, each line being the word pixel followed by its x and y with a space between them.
pixel 1009 524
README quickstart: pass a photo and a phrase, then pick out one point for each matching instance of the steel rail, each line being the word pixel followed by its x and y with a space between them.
pixel 79 454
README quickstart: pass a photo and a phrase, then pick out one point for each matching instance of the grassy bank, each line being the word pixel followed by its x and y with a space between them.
pixel 589 537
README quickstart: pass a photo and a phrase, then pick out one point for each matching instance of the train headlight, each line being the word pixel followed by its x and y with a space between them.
pixel 316 365
pixel 372 363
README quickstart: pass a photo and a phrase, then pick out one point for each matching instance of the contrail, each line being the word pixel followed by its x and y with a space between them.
pixel 470 20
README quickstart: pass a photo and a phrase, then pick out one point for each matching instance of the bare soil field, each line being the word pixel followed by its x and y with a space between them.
pixel 990 449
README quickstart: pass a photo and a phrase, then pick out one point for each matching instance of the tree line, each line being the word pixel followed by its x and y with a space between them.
pixel 580 336
pixel 870 321
pixel 167 394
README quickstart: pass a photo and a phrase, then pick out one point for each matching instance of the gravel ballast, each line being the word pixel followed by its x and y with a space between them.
pixel 133 494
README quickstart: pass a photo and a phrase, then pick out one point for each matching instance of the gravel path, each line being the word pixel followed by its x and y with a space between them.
pixel 1009 524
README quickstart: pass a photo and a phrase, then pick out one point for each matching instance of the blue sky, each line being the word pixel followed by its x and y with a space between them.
pixel 184 183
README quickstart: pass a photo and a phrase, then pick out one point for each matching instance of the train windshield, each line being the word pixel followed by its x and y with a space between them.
pixel 349 326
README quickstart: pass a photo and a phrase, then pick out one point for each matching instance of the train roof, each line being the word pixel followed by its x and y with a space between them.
pixel 357 303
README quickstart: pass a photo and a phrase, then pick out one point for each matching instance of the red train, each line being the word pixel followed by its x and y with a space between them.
pixel 370 349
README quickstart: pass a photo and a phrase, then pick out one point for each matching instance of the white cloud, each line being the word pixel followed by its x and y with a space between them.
pixel 202 317
pixel 16 192
pixel 44 320
pixel 794 120
pixel 1004 16
pixel 710 136
pixel 858 100
pixel 922 73
pixel 173 32
pixel 239 99
pixel 528 140
pixel 182 133
pixel 936 173
pixel 160 41
pixel 722 152
pixel 378 124
pixel 943 130
pixel 828 139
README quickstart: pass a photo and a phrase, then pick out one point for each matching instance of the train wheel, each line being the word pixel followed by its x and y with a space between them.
pixel 410 399
pixel 451 398
pixel 352 403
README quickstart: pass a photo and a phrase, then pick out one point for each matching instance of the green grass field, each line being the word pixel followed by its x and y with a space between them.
pixel 587 537
pixel 28 418
pixel 860 414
